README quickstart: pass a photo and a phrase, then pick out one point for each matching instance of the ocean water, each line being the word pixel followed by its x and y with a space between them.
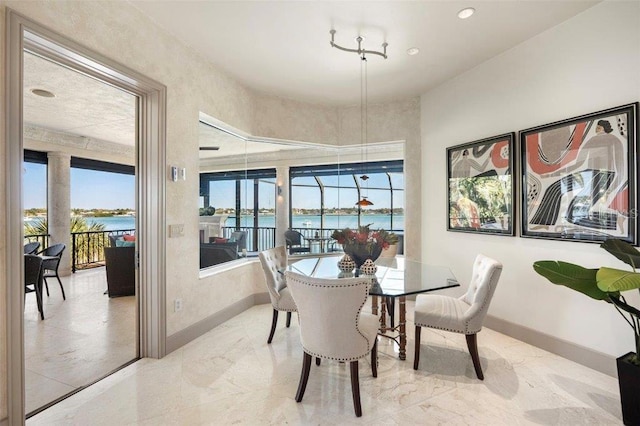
pixel 299 221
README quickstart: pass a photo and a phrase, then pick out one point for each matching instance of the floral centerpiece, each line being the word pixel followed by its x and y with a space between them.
pixel 364 243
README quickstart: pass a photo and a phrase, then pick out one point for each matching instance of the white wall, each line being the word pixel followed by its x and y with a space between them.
pixel 586 64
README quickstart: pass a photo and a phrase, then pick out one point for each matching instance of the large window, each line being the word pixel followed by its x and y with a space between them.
pixel 324 197
pixel 244 201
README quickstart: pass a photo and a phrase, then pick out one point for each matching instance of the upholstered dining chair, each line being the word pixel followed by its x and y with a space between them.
pixel 294 242
pixel 274 262
pixel 463 315
pixel 33 279
pixel 32 247
pixel 51 261
pixel 333 326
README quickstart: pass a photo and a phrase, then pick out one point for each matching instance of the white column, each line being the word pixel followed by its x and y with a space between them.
pixel 59 205
pixel 282 204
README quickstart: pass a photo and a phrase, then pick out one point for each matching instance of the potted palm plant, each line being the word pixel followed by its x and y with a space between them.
pixel 607 284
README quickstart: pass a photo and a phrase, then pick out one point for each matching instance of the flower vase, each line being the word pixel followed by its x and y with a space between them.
pixel 360 253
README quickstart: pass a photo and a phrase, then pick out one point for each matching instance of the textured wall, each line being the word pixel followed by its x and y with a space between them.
pixel 587 64
pixel 120 32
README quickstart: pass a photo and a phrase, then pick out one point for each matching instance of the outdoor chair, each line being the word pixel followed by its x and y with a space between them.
pixel 294 242
pixel 33 279
pixel 463 315
pixel 274 262
pixel 51 261
pixel 240 237
pixel 333 326
pixel 32 247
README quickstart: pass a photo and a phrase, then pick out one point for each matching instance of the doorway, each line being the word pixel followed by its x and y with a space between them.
pixel 80 140
pixel 24 34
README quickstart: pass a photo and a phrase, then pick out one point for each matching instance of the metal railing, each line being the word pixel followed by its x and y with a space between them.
pixel 43 239
pixel 258 239
pixel 87 248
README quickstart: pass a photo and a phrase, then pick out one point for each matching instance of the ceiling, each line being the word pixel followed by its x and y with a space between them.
pixel 282 48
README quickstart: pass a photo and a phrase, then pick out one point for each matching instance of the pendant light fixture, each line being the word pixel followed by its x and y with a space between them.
pixel 363 202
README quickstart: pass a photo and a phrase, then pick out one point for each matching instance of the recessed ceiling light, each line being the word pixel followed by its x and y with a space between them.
pixel 413 51
pixel 43 93
pixel 466 12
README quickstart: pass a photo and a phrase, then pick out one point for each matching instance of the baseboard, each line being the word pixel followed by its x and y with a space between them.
pixel 182 337
pixel 588 357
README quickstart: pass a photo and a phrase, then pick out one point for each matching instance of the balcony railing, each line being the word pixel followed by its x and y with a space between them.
pixel 258 239
pixel 87 248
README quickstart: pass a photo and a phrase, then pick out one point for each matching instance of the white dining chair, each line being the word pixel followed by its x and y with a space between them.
pixel 333 326
pixel 274 262
pixel 463 315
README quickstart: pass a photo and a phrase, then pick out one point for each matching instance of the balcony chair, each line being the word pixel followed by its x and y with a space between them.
pixel 33 279
pixel 274 262
pixel 240 237
pixel 333 326
pixel 32 247
pixel 463 315
pixel 51 261
pixel 294 242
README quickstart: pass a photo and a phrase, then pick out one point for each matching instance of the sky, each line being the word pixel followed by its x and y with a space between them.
pixel 89 189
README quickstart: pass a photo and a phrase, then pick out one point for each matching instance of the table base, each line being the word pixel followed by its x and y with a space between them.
pixel 401 329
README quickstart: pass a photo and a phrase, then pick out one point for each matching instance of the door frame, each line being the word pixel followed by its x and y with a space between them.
pixel 21 33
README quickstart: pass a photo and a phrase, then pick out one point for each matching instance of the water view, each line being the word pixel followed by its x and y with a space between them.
pixel 299 221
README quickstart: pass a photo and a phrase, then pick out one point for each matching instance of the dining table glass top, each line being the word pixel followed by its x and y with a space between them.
pixel 394 277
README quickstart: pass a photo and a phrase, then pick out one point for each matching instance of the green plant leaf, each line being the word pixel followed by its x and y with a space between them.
pixel 616 280
pixel 623 251
pixel 573 276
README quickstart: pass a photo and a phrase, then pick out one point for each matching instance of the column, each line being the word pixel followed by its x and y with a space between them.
pixel 59 205
pixel 282 204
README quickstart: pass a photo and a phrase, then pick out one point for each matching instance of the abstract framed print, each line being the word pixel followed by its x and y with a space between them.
pixel 578 177
pixel 481 187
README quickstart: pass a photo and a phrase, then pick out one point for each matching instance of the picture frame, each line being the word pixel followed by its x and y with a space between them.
pixel 578 177
pixel 480 179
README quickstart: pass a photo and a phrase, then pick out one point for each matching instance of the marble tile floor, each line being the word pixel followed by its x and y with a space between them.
pixel 80 340
pixel 231 376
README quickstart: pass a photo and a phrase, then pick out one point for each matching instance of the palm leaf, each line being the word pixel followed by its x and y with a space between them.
pixel 616 280
pixel 573 276
pixel 623 251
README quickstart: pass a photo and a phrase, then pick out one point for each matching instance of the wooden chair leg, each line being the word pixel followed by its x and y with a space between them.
pixel 274 322
pixel 61 288
pixel 355 388
pixel 374 359
pixel 472 344
pixel 317 361
pixel 288 319
pixel 416 354
pixel 304 376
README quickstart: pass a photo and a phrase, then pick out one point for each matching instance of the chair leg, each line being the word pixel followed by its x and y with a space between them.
pixel 355 388
pixel 39 301
pixel 472 344
pixel 61 288
pixel 46 286
pixel 416 355
pixel 304 376
pixel 317 361
pixel 274 321
pixel 288 319
pixel 374 359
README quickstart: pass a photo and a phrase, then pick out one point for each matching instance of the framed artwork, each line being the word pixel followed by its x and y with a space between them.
pixel 578 177
pixel 480 178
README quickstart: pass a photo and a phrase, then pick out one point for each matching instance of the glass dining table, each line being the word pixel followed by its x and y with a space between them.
pixel 395 278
